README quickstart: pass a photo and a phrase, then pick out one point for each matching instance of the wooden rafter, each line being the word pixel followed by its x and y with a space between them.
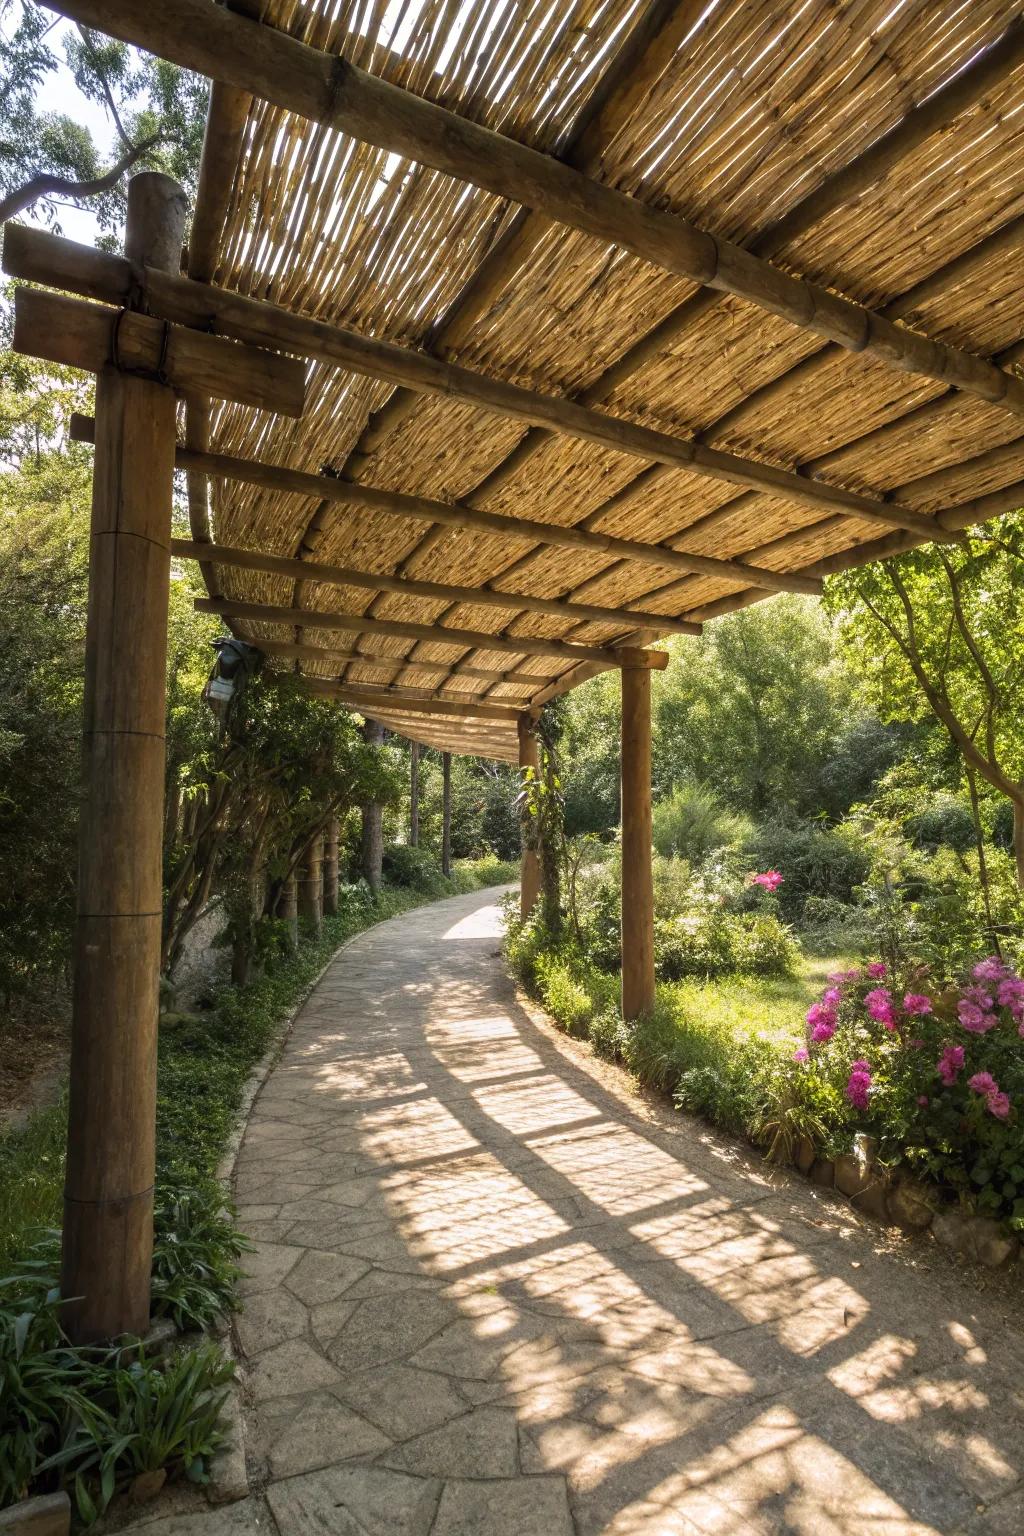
pixel 344 576
pixel 203 36
pixel 354 623
pixel 327 655
pixel 918 124
pixel 295 482
pixel 41 257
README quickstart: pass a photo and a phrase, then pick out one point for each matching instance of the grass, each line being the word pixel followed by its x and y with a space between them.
pixel 31 1177
pixel 768 1008
pixel 204 1065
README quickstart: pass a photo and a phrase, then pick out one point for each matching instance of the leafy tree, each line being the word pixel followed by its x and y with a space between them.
pixel 937 633
pixel 155 109
pixel 753 707
pixel 589 753
pixel 43 585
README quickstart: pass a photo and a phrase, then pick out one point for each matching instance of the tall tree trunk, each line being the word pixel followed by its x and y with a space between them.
pixel 1018 840
pixel 446 815
pixel 414 794
pixel 372 841
pixel 979 843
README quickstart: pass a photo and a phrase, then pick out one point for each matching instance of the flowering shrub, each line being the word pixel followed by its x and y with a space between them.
pixel 936 1074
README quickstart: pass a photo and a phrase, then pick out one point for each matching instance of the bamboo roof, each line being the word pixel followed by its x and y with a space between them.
pixel 802 130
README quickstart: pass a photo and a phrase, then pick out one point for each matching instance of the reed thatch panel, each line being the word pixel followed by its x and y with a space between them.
pixel 760 105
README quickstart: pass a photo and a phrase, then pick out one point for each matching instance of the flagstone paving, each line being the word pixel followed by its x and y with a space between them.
pixel 495 1292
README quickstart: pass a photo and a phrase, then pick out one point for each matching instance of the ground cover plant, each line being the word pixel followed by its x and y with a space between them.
pixel 94 1421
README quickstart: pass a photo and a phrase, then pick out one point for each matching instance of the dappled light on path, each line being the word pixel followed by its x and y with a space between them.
pixel 495 1293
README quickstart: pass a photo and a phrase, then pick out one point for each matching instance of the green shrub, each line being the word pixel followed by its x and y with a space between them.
pixel 832 927
pixel 814 861
pixel 565 998
pixel 714 942
pixel 91 1420
pixel 936 1074
pixel 946 821
pixel 413 868
pixel 693 824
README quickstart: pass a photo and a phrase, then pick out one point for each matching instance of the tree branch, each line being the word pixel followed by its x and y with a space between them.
pixel 50 185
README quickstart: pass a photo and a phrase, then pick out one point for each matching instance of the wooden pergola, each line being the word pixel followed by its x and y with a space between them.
pixel 511 338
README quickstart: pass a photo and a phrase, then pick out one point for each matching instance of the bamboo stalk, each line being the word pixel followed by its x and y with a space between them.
pixel 41 257
pixel 205 37
pixel 403 586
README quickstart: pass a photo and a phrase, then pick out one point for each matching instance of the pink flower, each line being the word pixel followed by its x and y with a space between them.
pixel 880 1007
pixel 983 1082
pixel 1020 1029
pixel 950 1064
pixel 822 1032
pixel 801 1053
pixel 923 1100
pixel 858 1084
pixel 998 1104
pixel 832 998
pixel 820 1013
pixel 989 969
pixel 877 969
pixel 1011 992
pixel 837 978
pixel 974 1019
pixel 771 880
pixel 916 1002
pixel 979 996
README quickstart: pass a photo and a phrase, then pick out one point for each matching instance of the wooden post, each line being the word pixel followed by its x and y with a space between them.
pixel 446 814
pixel 108 1191
pixel 331 868
pixel 637 879
pixel 289 908
pixel 310 885
pixel 529 879
pixel 414 794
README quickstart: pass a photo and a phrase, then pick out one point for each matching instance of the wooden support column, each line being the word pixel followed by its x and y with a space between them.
pixel 637 878
pixel 529 879
pixel 446 814
pixel 331 868
pixel 310 885
pixel 108 1191
pixel 414 794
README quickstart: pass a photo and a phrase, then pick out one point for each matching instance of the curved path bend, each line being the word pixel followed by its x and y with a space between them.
pixel 496 1292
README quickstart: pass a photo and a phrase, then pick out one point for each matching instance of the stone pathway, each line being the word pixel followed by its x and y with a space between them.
pixel 497 1293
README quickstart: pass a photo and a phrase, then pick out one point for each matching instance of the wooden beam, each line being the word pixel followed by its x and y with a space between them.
pixel 298 651
pixel 203 36
pixel 941 108
pixel 107 1237
pixel 454 514
pixel 48 258
pixel 637 878
pixel 368 700
pixel 80 335
pixel 487 597
pixel 521 645
pixel 641 58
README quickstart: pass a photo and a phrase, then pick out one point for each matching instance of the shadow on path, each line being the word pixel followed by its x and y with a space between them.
pixel 495 1293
